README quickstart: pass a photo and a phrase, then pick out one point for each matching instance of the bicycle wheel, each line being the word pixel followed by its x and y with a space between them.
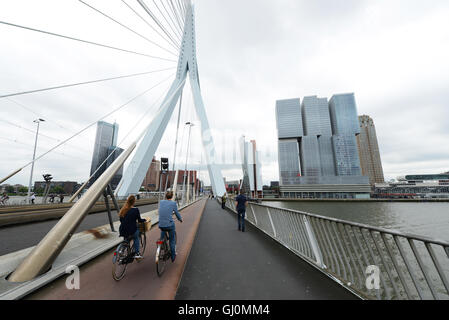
pixel 143 243
pixel 161 258
pixel 119 261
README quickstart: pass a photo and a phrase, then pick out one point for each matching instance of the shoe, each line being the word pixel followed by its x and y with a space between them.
pixel 138 256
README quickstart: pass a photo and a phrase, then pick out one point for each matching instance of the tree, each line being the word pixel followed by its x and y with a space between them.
pixel 57 190
pixel 10 189
pixel 22 190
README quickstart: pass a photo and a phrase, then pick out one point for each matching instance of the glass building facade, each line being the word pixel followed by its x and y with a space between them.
pixel 343 112
pixel 289 165
pixel 105 142
pixel 318 152
pixel 289 119
pixel 316 116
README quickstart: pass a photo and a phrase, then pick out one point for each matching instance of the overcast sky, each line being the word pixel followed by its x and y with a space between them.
pixel 391 53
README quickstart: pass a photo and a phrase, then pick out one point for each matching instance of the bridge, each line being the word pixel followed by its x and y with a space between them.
pixel 283 254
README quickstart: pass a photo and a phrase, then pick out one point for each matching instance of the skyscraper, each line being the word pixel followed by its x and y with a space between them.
pixel 290 129
pixel 317 146
pixel 369 151
pixel 251 167
pixel 105 143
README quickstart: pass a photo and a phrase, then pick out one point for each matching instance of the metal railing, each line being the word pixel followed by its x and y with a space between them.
pixel 408 266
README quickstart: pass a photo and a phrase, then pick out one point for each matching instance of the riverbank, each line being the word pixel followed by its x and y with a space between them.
pixel 354 200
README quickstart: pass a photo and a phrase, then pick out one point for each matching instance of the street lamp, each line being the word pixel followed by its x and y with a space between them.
pixel 38 121
pixel 187 157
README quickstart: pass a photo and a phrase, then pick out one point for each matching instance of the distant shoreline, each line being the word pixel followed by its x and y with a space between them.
pixel 353 200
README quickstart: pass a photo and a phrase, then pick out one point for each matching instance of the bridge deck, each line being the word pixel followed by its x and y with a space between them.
pixel 225 263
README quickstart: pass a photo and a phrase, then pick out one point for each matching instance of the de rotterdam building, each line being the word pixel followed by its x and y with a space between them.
pixel 318 152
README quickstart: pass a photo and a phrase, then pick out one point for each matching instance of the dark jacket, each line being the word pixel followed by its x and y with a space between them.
pixel 128 224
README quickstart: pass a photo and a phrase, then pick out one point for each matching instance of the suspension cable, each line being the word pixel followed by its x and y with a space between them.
pixel 126 27
pixel 41 116
pixel 92 124
pixel 156 20
pixel 83 41
pixel 83 83
pixel 172 25
pixel 121 142
pixel 153 28
pixel 166 20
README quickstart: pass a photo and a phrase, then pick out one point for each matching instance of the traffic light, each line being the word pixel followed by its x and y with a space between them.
pixel 47 177
pixel 164 164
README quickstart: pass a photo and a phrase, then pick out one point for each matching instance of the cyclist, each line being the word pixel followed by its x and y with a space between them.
pixel 166 223
pixel 129 216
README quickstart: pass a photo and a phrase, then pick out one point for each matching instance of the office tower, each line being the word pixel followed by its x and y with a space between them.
pixel 105 142
pixel 346 155
pixel 317 145
pixel 343 111
pixel 252 176
pixel 345 127
pixel 288 157
pixel 118 176
pixel 290 129
pixel 317 123
pixel 289 119
pixel 316 116
pixel 368 147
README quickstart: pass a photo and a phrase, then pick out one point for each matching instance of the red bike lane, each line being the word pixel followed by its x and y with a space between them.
pixel 141 281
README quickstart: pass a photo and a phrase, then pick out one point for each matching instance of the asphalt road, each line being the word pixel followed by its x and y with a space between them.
pixel 18 237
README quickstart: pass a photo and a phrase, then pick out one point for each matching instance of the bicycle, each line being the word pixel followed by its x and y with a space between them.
pixel 163 253
pixel 124 254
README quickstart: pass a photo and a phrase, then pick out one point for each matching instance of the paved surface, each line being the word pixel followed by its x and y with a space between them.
pixel 225 263
pixel 18 237
pixel 141 281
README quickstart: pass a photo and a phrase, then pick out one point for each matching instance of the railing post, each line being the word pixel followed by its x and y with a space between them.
pixel 313 241
pixel 254 215
pixel 271 220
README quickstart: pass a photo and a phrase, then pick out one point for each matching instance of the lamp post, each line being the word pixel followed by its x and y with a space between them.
pixel 38 121
pixel 187 157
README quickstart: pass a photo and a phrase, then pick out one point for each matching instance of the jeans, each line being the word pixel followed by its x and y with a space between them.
pixel 172 239
pixel 241 218
pixel 137 241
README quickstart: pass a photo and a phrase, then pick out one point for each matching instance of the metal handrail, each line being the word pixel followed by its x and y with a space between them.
pixel 411 266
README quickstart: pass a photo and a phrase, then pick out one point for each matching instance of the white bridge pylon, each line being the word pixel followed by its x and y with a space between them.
pixel 187 64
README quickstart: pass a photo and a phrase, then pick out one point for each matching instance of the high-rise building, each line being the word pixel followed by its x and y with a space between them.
pixel 289 119
pixel 288 157
pixel 290 129
pixel 252 176
pixel 368 148
pixel 317 146
pixel 105 143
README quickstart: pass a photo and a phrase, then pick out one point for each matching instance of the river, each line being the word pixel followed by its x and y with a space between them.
pixel 430 219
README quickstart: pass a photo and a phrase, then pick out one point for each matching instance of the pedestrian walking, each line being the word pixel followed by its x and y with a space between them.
pixel 223 201
pixel 32 198
pixel 241 202
pixel 61 198
pixel 52 198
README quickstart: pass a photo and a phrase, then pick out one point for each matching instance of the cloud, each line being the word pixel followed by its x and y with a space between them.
pixel 391 54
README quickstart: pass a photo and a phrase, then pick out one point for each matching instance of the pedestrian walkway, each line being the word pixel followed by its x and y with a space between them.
pixel 226 264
